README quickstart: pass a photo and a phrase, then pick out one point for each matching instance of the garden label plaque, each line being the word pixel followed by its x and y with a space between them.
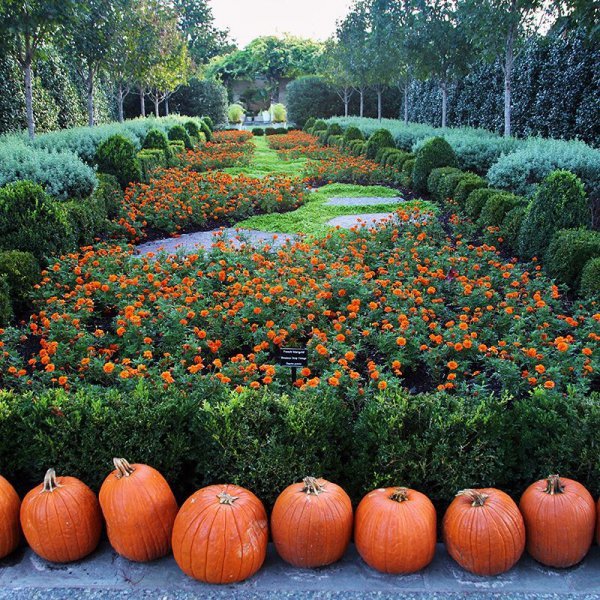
pixel 293 358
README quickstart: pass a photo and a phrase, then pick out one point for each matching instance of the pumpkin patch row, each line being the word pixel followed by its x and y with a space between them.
pixel 220 533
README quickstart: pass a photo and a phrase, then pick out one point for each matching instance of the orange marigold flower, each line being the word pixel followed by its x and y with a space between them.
pixel 452 365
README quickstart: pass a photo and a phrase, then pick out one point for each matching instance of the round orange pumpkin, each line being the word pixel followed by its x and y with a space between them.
pixel 484 531
pixel 395 530
pixel 140 509
pixel 10 528
pixel 560 517
pixel 61 519
pixel 221 534
pixel 311 523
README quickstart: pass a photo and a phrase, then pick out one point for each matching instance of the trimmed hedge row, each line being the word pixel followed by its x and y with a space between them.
pixel 436 442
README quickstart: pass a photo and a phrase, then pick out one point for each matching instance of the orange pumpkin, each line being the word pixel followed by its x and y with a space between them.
pixel 221 534
pixel 10 529
pixel 140 509
pixel 61 519
pixel 560 517
pixel 484 531
pixel 311 523
pixel 395 530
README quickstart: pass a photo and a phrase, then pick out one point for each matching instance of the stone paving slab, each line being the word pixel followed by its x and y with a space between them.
pixel 106 575
pixel 364 201
pixel 189 242
pixel 369 219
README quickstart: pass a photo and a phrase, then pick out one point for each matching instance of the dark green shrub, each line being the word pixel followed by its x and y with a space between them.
pixel 353 133
pixel 407 170
pixel 32 222
pixel 5 303
pixel 468 183
pixel 568 252
pixel 309 96
pixel 110 193
pixel 177 146
pixel 258 131
pixel 335 129
pixel 150 160
pixel 319 125
pixel 477 199
pixel 209 122
pixel 511 226
pixel 192 128
pixel 382 155
pixel 437 184
pixel 275 130
pixel 309 123
pixel 179 132
pixel 206 129
pixel 396 158
pixel 87 218
pixel 497 206
pixel 201 98
pixel 381 138
pixel 358 147
pixel 590 279
pixel 21 271
pixel 559 203
pixel 157 139
pixel 117 156
pixel 435 152
pixel 335 140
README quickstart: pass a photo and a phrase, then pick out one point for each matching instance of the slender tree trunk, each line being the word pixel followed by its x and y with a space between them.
pixel 346 103
pixel 406 102
pixel 142 101
pixel 156 105
pixel 379 109
pixel 167 105
pixel 120 97
pixel 444 103
pixel 508 68
pixel 29 97
pixel 90 96
pixel 361 91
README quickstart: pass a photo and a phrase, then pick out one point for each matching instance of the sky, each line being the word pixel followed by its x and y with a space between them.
pixel 248 19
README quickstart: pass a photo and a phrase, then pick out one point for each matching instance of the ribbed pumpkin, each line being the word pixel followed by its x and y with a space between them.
pixel 61 519
pixel 560 517
pixel 395 530
pixel 221 534
pixel 10 528
pixel 140 509
pixel 311 523
pixel 484 531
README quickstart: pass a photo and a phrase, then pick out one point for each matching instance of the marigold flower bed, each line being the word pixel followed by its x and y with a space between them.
pixel 400 304
pixel 183 199
pixel 291 140
pixel 342 168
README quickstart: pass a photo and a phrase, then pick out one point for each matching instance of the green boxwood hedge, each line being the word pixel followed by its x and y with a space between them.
pixel 435 152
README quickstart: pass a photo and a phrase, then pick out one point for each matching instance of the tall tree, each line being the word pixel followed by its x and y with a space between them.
pixel 334 70
pixel 24 27
pixel 497 28
pixel 353 39
pixel 440 46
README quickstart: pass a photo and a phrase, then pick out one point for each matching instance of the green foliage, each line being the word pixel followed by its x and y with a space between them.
pixel 31 221
pixel 209 122
pixel 568 252
pixel 352 133
pixel 590 279
pixel 192 128
pixel 407 171
pixel 382 138
pixel 179 132
pixel 275 130
pixel 150 160
pixel 468 183
pixel 278 113
pixel 117 156
pixel 201 98
pixel 357 147
pixel 155 138
pixel 477 199
pixel 87 218
pixel 335 129
pixel 21 271
pixel 436 152
pixel 496 207
pixel 5 303
pixel 308 124
pixel 319 125
pixel 559 203
pixel 235 113
pixel 110 193
pixel 395 158
pixel 511 226
pixel 62 174
pixel 206 128
pixel 442 181
pixel 177 146
pixel 258 131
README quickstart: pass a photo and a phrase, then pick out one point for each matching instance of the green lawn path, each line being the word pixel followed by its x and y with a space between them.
pixel 312 217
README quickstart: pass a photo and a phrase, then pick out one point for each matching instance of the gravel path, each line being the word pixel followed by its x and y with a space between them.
pixel 365 201
pixel 190 242
pixel 349 221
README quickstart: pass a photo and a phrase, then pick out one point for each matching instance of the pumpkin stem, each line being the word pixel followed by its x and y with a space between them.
pixel 400 494
pixel 225 498
pixel 50 483
pixel 124 469
pixel 477 498
pixel 312 486
pixel 553 485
